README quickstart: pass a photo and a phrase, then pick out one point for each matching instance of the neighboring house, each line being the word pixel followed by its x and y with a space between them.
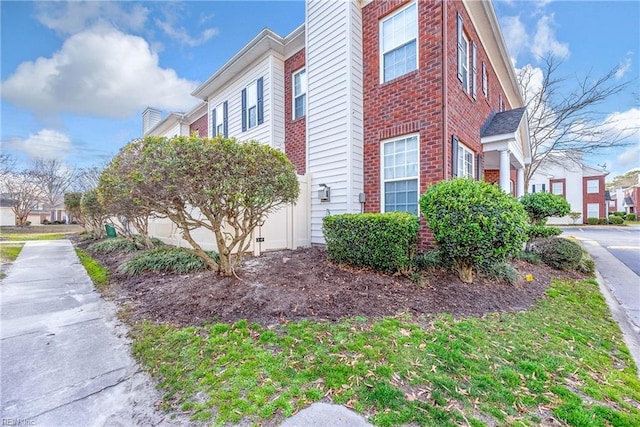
pixel 7 217
pixel 373 100
pixel 627 199
pixel 583 186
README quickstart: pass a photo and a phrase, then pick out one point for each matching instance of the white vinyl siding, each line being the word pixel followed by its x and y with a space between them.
pixel 557 188
pixel 299 94
pixel 593 186
pixel 219 120
pixel 334 107
pixel 252 105
pixel 400 175
pixel 593 210
pixel 398 43
pixel 465 162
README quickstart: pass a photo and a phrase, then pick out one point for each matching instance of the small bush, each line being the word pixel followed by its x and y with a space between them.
pixel 574 216
pixel 541 231
pixel 165 260
pixel 540 206
pixel 46 222
pixel 602 221
pixel 592 221
pixel 428 260
pixel 501 271
pixel 631 217
pixel 587 264
pixel 119 244
pixel 620 214
pixel 616 220
pixel 559 253
pixel 382 241
pixel 530 257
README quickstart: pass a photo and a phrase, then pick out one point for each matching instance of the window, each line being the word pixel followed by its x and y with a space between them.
pixel 400 175
pixel 465 162
pixel 474 72
pixel 219 117
pixel 463 56
pixel 299 94
pixel 557 188
pixel 593 186
pixel 485 87
pixel 399 46
pixel 593 210
pixel 252 108
pixel 540 188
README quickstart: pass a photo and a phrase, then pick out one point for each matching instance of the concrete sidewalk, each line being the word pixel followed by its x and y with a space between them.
pixel 63 360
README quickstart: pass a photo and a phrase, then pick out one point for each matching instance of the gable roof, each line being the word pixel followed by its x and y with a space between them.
pixel 504 122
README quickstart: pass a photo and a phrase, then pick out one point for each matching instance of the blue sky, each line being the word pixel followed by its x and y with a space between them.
pixel 77 75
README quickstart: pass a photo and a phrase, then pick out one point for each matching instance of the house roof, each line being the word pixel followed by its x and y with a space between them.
pixel 504 122
pixel 6 203
pixel 628 201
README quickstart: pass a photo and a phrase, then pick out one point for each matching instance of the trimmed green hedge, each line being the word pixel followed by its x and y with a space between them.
pixel 537 231
pixel 631 217
pixel 616 220
pixel 382 241
pixel 592 221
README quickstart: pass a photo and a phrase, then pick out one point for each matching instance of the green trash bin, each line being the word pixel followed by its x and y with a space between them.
pixel 111 232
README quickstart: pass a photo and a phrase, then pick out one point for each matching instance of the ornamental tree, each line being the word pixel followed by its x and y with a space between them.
pixel 93 212
pixel 219 184
pixel 541 206
pixel 473 222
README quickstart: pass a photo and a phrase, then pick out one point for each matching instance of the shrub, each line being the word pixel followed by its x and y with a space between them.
pixel 382 241
pixel 501 271
pixel 616 220
pixel 559 253
pixel 428 260
pixel 631 217
pixel 538 231
pixel 46 222
pixel 473 222
pixel 586 264
pixel 620 214
pixel 592 221
pixel 574 216
pixel 118 244
pixel 540 206
pixel 165 260
pixel 602 221
pixel 530 257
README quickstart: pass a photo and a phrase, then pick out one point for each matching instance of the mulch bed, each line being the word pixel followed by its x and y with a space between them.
pixel 302 284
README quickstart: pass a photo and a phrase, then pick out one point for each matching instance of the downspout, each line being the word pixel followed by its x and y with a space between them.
pixel 445 109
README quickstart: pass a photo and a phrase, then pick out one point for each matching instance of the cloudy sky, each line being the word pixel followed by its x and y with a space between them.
pixel 77 75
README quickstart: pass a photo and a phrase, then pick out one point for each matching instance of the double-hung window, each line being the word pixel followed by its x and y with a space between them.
pixel 465 162
pixel 593 186
pixel 400 174
pixel 399 43
pixel 299 94
pixel 252 105
pixel 219 124
pixel 463 55
pixel 557 188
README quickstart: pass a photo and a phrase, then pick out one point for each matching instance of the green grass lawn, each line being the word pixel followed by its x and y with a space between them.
pixel 565 358
pixel 10 251
pixel 98 274
pixel 50 232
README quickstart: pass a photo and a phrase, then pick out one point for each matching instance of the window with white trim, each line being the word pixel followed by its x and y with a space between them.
pixel 252 105
pixel 593 186
pixel 557 188
pixel 465 162
pixel 539 188
pixel 593 210
pixel 463 55
pixel 399 43
pixel 400 175
pixel 218 120
pixel 299 94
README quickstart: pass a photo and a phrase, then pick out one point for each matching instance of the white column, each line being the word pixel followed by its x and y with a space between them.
pixel 505 171
pixel 520 182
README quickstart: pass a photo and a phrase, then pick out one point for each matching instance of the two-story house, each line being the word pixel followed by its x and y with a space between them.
pixel 374 100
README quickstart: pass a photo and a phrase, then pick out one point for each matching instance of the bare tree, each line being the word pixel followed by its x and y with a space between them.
pixel 564 116
pixel 55 178
pixel 88 178
pixel 7 166
pixel 23 193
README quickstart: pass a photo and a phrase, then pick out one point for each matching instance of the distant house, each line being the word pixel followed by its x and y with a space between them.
pixel 7 217
pixel 374 100
pixel 583 186
pixel 627 199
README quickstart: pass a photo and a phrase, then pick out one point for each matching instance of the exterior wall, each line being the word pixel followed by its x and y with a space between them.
pixel 7 217
pixel 492 176
pixel 268 132
pixel 334 107
pixel 295 134
pixel 200 126
pixel 593 197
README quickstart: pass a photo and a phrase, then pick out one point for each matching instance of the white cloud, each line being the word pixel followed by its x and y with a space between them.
pixel 629 158
pixel 625 125
pixel 71 17
pixel 181 35
pixel 516 35
pixel 624 67
pixel 101 72
pixel 46 144
pixel 545 42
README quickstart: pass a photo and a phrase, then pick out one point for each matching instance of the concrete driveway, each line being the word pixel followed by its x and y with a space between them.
pixel 64 357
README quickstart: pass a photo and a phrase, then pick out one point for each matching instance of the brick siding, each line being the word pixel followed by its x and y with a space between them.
pixel 295 131
pixel 201 126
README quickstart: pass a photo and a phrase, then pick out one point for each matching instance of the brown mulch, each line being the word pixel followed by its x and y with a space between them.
pixel 302 284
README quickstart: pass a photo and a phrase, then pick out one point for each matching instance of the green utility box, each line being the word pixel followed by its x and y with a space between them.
pixel 111 232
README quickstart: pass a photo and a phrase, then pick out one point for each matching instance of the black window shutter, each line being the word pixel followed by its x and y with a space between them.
pixel 454 156
pixel 214 122
pixel 225 118
pixel 244 110
pixel 460 59
pixel 474 81
pixel 260 103
pixel 479 166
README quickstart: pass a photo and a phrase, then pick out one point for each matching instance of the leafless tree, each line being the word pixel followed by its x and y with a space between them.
pixel 564 115
pixel 88 178
pixel 55 178
pixel 7 166
pixel 23 194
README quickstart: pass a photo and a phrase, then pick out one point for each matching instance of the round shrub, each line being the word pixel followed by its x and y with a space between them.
pixel 621 214
pixel 473 222
pixel 559 253
pixel 592 221
pixel 538 231
pixel 631 217
pixel 615 220
pixel 540 206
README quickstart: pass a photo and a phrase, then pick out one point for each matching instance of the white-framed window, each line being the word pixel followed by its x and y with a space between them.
pixel 399 43
pixel 593 186
pixel 538 188
pixel 400 174
pixel 465 162
pixel 557 188
pixel 485 86
pixel 299 94
pixel 252 105
pixel 593 210
pixel 219 120
pixel 463 55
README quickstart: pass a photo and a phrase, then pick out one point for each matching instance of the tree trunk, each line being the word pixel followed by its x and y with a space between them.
pixel 465 271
